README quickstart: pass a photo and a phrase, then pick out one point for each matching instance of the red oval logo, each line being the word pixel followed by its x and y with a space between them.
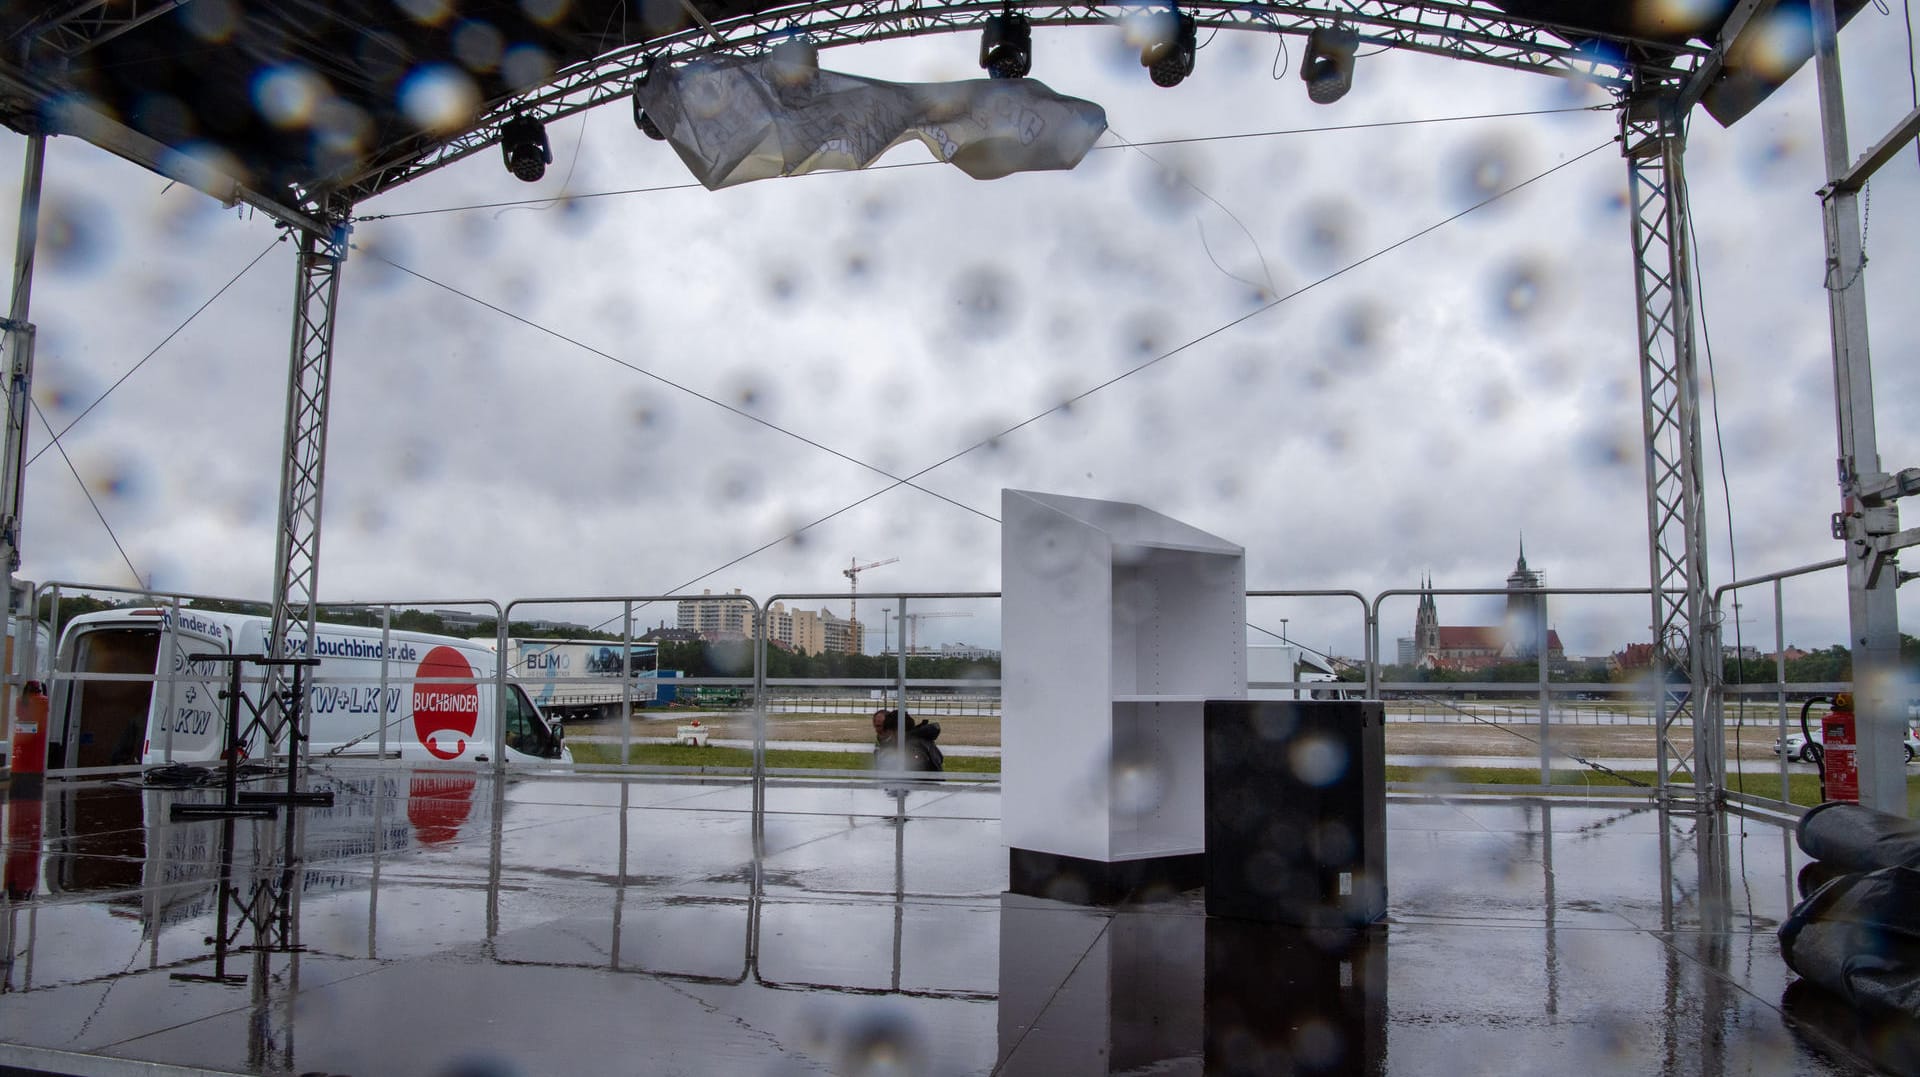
pixel 437 804
pixel 444 713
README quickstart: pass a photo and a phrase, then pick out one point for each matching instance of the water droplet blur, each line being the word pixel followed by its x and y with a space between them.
pixel 1171 188
pixel 1139 786
pixel 1318 1047
pixel 1142 335
pixel 479 45
pixel 545 12
pixel 371 518
pixel 1360 327
pixel 165 118
pixel 116 477
pixel 1552 371
pixel 649 413
pixel 882 1040
pixel 480 1065
pixel 1324 233
pixel 340 130
pixel 1496 400
pixel 418 459
pixel 1778 42
pixel 733 483
pixel 526 66
pixel 857 265
pixel 782 282
pixel 439 98
pixel 1317 760
pixel 288 95
pixel 1521 290
pixel 76 233
pixel 1664 18
pixel 984 303
pixel 383 57
pixel 1483 168
pixel 426 12
pixel 212 21
pixel 58 390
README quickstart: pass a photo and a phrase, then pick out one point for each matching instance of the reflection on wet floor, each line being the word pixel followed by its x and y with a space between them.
pixel 432 920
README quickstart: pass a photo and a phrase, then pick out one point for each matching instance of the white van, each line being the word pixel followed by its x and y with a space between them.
pixel 145 715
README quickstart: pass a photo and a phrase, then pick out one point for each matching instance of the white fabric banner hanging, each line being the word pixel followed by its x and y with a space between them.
pixel 735 120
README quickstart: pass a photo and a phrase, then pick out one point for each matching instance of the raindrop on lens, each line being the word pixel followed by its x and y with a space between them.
pixel 983 302
pixel 1317 761
pixel 439 98
pixel 75 234
pixel 1485 168
pixel 882 1041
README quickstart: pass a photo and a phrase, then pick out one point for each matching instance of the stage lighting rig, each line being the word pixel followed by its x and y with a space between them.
pixel 640 118
pixel 1327 68
pixel 1006 46
pixel 523 144
pixel 1168 53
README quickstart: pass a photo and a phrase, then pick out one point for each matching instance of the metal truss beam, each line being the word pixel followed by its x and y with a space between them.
pixel 1473 30
pixel 1686 714
pixel 296 559
pixel 90 23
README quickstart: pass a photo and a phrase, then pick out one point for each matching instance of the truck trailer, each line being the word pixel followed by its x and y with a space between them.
pixel 582 680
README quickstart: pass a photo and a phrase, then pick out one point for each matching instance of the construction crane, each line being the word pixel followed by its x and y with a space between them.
pixel 852 573
pixel 914 627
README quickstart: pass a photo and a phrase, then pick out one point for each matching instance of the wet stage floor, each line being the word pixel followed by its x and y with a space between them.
pixel 445 923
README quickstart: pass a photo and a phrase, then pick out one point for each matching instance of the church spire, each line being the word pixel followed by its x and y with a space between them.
pixel 1522 565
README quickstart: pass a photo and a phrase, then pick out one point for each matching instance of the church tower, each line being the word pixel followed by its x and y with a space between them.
pixel 1426 624
pixel 1526 614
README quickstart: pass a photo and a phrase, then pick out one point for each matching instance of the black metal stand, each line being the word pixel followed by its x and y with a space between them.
pixel 256 805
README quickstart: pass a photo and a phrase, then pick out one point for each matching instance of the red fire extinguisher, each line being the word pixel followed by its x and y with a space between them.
pixel 28 748
pixel 1839 759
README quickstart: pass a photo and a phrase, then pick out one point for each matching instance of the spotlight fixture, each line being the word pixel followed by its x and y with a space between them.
pixel 1168 57
pixel 1006 46
pixel 640 118
pixel 523 144
pixel 1327 68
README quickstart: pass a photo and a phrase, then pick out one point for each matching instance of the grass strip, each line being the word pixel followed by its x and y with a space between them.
pixel 683 755
pixel 1802 788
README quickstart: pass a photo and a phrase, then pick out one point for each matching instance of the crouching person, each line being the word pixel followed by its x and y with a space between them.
pixel 922 752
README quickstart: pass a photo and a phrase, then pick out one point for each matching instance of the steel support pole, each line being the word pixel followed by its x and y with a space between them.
pixel 1687 720
pixel 19 345
pixel 1872 615
pixel 296 559
pixel 13 470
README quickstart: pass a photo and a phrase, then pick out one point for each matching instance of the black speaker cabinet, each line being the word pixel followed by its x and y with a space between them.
pixel 1296 804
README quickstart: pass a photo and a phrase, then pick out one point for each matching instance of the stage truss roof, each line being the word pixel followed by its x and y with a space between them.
pixel 303 108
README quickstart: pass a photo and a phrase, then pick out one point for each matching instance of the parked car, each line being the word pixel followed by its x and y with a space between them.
pixel 1796 746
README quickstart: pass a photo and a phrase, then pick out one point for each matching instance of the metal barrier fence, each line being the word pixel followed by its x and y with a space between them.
pixel 1532 710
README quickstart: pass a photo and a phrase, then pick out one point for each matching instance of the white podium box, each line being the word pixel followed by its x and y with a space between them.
pixel 1117 623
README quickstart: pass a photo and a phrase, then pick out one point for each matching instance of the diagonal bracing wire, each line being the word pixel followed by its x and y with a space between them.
pixel 164 341
pixel 669 382
pixel 55 443
pixel 1162 357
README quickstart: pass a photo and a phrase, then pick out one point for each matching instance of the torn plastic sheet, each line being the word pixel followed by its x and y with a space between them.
pixel 734 120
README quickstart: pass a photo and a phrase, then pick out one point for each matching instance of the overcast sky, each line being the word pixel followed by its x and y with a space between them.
pixel 1413 416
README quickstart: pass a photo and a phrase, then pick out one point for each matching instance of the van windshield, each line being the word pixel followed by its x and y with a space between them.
pixel 525 733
